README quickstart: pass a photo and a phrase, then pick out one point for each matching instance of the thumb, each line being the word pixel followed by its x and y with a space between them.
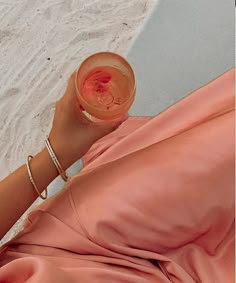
pixel 106 128
pixel 69 97
pixel 109 127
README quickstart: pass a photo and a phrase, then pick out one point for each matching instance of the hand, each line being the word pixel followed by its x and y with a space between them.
pixel 72 134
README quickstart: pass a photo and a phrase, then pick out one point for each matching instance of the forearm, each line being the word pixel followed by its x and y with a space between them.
pixel 17 193
pixel 71 137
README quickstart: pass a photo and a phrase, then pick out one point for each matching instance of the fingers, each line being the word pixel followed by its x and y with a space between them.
pixel 117 123
pixel 112 126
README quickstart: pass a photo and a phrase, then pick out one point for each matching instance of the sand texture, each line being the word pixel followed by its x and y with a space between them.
pixel 41 44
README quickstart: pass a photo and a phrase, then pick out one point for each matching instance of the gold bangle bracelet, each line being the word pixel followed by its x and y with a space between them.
pixel 55 160
pixel 32 179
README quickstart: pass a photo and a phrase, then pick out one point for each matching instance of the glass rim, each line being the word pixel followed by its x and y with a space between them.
pixel 131 71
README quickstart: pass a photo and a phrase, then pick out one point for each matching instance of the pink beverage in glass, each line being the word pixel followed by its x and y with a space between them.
pixel 105 86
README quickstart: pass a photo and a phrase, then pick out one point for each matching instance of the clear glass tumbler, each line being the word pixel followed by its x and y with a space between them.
pixel 105 86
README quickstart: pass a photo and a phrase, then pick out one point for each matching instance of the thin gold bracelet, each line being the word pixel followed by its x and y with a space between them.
pixel 32 179
pixel 55 160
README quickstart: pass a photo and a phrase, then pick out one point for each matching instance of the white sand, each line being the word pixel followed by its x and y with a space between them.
pixel 41 43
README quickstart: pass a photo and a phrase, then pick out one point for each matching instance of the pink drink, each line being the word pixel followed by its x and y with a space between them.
pixel 105 86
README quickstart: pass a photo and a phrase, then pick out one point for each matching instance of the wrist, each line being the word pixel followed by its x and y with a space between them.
pixel 42 165
pixel 63 152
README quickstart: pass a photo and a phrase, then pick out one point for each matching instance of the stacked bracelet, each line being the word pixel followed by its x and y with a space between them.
pixel 56 163
pixel 55 160
pixel 32 179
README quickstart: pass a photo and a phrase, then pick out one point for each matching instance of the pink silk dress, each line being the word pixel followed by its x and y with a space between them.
pixel 154 203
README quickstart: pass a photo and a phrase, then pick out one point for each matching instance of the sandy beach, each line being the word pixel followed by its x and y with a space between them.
pixel 41 44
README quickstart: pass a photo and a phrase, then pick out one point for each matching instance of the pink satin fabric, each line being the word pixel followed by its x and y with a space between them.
pixel 154 203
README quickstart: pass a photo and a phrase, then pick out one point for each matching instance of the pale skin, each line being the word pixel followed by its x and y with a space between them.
pixel 71 137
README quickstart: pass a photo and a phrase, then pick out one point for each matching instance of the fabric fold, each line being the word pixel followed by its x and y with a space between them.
pixel 154 203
